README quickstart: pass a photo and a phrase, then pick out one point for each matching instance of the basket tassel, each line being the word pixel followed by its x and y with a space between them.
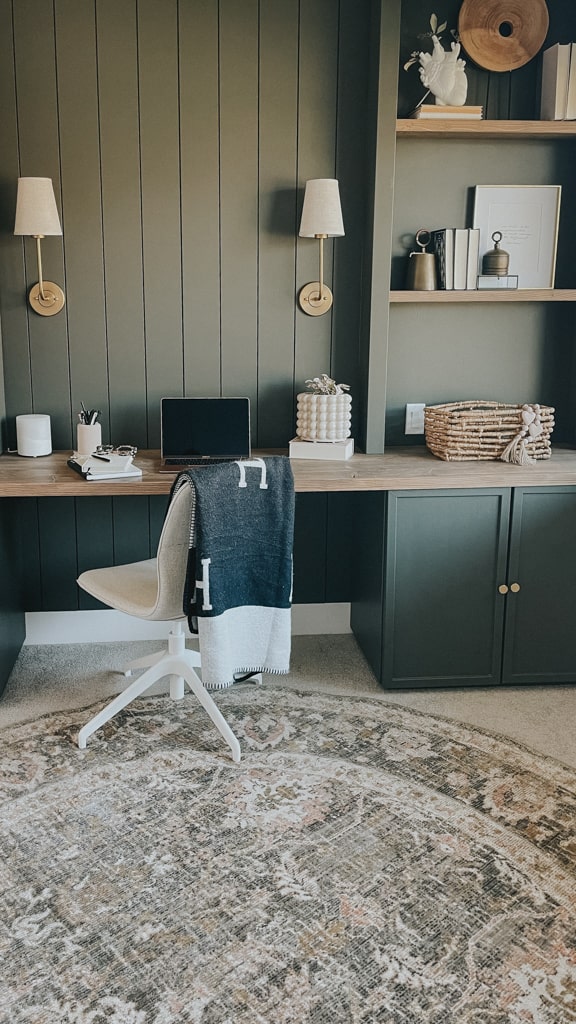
pixel 516 451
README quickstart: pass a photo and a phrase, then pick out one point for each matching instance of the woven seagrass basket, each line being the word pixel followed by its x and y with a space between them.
pixel 466 431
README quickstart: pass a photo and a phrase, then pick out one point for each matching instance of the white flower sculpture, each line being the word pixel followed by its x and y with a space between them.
pixel 442 72
pixel 324 385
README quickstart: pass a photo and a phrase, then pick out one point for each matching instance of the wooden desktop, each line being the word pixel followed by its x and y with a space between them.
pixel 406 468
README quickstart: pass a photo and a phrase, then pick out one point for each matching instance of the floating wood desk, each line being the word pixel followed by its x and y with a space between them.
pixel 407 468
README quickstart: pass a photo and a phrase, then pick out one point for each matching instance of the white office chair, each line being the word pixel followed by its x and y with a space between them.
pixel 154 589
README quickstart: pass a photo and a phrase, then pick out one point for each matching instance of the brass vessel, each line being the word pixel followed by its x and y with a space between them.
pixel 421 274
pixel 495 262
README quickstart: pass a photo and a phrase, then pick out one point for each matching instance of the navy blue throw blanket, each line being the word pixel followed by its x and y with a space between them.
pixel 239 583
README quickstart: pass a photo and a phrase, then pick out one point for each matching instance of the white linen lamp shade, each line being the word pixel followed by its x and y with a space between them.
pixel 321 211
pixel 321 218
pixel 37 215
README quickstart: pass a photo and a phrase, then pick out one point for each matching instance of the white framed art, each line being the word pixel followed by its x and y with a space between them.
pixel 527 216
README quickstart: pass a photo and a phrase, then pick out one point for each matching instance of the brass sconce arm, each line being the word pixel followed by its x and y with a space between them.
pixel 37 216
pixel 321 218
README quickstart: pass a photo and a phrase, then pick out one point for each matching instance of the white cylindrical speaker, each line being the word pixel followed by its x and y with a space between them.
pixel 33 434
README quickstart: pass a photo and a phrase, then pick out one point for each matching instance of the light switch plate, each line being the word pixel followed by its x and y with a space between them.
pixel 414 418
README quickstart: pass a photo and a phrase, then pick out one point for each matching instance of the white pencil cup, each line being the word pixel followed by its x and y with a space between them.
pixel 88 437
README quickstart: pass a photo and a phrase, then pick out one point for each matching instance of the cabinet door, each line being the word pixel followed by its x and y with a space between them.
pixel 443 614
pixel 540 627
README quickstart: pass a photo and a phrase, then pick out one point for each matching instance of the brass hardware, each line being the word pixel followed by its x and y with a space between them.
pixel 321 219
pixel 316 298
pixel 37 216
pixel 421 274
pixel 45 297
pixel 51 302
pixel 495 262
pixel 502 589
pixel 514 587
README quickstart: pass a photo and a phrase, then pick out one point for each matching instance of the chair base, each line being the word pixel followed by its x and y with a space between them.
pixel 180 664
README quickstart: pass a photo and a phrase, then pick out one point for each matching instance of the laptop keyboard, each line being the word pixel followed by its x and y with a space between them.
pixel 197 461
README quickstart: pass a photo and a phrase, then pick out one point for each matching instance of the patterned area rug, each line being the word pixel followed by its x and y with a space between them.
pixel 363 863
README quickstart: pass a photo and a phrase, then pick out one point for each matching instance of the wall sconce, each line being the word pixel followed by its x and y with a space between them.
pixel 37 215
pixel 321 218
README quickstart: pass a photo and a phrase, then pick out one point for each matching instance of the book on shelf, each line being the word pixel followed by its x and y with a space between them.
pixel 443 246
pixel 457 252
pixel 556 62
pixel 437 110
pixel 571 94
pixel 473 257
pixel 460 258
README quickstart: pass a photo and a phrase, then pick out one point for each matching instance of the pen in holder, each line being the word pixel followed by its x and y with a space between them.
pixel 88 431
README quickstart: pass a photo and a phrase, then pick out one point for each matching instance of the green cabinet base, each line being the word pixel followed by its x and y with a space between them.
pixel 473 587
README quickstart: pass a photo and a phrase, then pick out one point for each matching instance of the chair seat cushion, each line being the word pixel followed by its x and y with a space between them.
pixel 132 589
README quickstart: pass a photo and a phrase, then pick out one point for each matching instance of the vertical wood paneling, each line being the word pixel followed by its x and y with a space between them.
pixel 82 223
pixel 199 135
pixel 16 346
pixel 29 536
pixel 95 540
pixel 58 563
pixel 278 130
pixel 239 196
pixel 374 342
pixel 12 626
pixel 160 161
pixel 122 224
pixel 36 90
pixel 318 69
pixel 179 135
pixel 131 518
pixel 310 548
pixel 351 170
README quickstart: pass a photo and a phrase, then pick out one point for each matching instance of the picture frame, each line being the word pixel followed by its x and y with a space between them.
pixel 528 217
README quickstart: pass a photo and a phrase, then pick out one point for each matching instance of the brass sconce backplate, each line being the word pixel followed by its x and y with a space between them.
pixel 52 302
pixel 310 300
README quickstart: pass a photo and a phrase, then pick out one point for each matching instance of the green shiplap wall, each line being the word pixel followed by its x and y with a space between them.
pixel 179 136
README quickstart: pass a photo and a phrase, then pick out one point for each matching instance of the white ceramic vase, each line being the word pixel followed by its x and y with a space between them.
pixel 323 417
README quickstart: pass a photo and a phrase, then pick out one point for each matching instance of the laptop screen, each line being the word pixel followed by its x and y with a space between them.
pixel 205 427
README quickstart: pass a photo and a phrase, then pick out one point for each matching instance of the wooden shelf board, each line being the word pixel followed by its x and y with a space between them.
pixel 457 128
pixel 404 468
pixel 503 295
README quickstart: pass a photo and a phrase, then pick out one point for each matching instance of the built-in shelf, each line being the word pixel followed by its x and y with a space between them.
pixel 457 128
pixel 496 295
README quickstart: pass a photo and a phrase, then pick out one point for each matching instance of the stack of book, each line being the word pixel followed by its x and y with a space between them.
pixel 558 90
pixel 457 257
pixel 436 110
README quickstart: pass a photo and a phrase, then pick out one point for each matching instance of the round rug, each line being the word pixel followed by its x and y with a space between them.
pixel 363 863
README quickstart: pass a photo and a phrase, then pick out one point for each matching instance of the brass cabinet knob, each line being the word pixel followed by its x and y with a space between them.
pixel 502 589
pixel 514 587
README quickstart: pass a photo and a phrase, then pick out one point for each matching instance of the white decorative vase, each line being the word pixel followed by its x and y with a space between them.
pixel 323 417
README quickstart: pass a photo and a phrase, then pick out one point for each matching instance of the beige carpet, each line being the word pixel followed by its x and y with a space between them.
pixel 48 678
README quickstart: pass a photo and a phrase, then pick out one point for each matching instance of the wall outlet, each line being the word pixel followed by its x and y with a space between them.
pixel 414 418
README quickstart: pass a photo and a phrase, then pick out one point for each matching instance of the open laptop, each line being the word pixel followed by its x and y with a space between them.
pixel 202 431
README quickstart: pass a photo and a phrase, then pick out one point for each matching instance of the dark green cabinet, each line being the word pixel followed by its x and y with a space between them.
pixel 540 621
pixel 442 614
pixel 477 588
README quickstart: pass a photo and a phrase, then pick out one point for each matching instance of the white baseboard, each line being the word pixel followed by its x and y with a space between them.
pixel 104 626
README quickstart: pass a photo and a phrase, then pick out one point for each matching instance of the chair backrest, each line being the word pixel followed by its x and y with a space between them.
pixel 172 557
